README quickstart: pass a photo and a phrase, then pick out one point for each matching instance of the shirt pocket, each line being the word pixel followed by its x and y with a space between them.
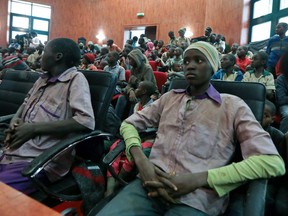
pixel 202 136
pixel 50 111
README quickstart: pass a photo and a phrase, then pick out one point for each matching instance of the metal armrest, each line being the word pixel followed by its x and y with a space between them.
pixel 6 118
pixel 42 160
pixel 255 197
pixel 111 156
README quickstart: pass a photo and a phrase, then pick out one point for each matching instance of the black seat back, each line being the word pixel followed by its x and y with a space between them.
pixel 14 88
pixel 252 93
pixel 102 85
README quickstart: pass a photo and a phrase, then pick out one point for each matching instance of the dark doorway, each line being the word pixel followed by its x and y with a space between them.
pixel 149 30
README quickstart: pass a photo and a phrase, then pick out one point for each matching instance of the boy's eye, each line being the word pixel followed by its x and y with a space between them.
pixel 186 62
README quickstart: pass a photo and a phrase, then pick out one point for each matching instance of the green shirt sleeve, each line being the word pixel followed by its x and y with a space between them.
pixel 227 178
pixel 131 137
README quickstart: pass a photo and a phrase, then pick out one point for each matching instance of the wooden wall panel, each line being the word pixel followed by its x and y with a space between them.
pixel 226 17
pixel 76 18
pixel 3 22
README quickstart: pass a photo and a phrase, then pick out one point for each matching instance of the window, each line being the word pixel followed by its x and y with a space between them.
pixel 262 8
pixel 283 4
pixel 26 17
pixel 261 31
pixel 265 14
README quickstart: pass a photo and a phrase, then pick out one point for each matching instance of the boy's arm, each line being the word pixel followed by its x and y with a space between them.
pixel 27 131
pixel 282 91
pixel 227 178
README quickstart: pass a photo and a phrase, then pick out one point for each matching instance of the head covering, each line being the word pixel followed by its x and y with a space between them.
pixel 150 45
pixel 89 57
pixel 138 57
pixel 209 29
pixel 90 43
pixel 209 51
pixel 182 30
pixel 15 63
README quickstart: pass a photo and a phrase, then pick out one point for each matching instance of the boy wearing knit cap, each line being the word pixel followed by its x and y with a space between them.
pixel 198 130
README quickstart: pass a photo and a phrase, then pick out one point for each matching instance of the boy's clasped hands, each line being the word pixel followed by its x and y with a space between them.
pixel 169 187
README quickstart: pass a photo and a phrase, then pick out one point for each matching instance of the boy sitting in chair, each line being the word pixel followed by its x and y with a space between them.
pixel 187 171
pixel 57 106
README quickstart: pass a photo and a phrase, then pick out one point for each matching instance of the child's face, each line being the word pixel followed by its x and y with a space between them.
pixel 139 91
pixel 132 62
pixel 197 69
pixel 234 47
pixel 171 52
pixel 241 51
pixel 176 67
pixel 84 61
pixel 267 117
pixel 110 59
pixel 226 62
pixel 177 52
pixel 280 29
pixel 257 61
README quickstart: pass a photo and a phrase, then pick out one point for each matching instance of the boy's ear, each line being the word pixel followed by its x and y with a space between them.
pixel 273 119
pixel 59 56
pixel 263 62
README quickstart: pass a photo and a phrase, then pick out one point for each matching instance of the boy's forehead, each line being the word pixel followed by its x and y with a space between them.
pixel 267 108
pixel 193 52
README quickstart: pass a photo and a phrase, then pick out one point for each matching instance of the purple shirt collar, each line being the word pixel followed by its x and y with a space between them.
pixel 211 93
pixel 61 77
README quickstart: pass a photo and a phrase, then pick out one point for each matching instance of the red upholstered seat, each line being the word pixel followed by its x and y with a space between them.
pixel 161 78
pixel 154 65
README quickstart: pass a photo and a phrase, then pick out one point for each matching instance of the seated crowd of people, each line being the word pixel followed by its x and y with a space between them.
pixel 167 173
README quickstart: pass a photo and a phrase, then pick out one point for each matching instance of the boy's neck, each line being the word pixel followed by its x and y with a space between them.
pixel 242 57
pixel 58 70
pixel 228 70
pixel 282 36
pixel 144 100
pixel 198 90
pixel 112 65
pixel 259 70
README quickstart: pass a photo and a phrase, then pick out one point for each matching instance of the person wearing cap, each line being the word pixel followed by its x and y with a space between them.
pixel 198 129
pixel 182 39
pixel 88 62
pixel 12 62
pixel 91 48
pixel 141 71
